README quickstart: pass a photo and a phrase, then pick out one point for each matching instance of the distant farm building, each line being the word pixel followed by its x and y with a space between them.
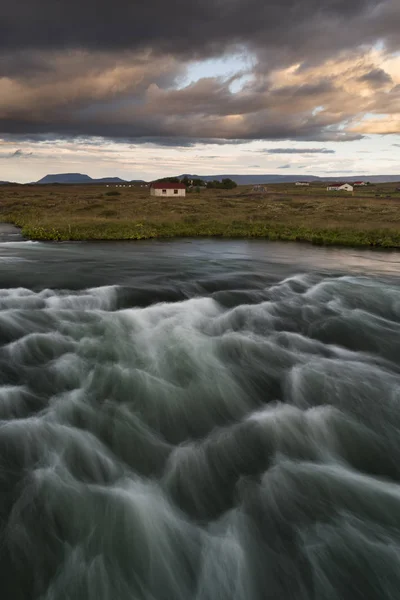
pixel 340 187
pixel 302 183
pixel 164 188
pixel 359 183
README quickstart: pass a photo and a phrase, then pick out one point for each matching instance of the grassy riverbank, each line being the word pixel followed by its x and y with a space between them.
pixel 370 217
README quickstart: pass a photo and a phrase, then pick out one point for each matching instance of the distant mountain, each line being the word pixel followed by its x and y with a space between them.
pixel 65 178
pixel 255 179
pixel 4 182
pixel 76 178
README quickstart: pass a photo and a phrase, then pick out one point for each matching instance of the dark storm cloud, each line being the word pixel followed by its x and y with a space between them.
pixel 298 151
pixel 114 69
pixel 191 27
pixel 201 131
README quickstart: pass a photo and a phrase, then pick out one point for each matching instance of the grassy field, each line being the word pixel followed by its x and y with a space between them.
pixel 369 217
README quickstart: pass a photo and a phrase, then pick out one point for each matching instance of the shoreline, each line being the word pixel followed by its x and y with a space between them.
pixel 333 237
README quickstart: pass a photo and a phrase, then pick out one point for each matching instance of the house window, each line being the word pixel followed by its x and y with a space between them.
pixel 175 191
pixel 164 191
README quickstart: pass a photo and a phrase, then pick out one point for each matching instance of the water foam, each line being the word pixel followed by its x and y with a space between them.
pixel 194 449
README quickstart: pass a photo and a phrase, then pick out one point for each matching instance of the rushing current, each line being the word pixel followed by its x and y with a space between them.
pixel 198 420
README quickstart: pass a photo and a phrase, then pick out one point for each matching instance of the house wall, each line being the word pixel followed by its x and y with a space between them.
pixel 343 188
pixel 168 192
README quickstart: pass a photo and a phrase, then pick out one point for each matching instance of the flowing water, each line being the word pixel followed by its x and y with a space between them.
pixel 198 420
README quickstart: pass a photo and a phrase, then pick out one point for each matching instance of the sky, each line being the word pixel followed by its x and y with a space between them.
pixel 143 90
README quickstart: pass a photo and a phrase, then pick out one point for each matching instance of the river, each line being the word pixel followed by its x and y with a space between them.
pixel 198 420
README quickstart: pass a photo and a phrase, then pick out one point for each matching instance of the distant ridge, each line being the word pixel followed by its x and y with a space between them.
pixel 81 178
pixel 109 180
pixel 271 178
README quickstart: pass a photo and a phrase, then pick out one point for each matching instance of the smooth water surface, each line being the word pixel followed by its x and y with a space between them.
pixel 198 420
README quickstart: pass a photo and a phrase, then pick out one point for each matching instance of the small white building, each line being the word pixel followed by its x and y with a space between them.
pixel 359 183
pixel 302 183
pixel 340 187
pixel 167 189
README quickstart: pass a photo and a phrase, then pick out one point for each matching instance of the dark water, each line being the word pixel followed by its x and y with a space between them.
pixel 205 420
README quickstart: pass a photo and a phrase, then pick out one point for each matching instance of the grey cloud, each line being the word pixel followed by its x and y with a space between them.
pixel 324 86
pixel 205 157
pixel 298 151
pixel 184 142
pixel 342 171
pixel 387 102
pixel 284 167
pixel 15 154
pixel 20 154
pixel 204 112
pixel 376 77
pixel 6 154
pixel 201 130
pixel 173 129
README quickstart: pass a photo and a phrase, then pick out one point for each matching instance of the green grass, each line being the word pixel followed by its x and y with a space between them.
pixel 137 231
pixel 283 213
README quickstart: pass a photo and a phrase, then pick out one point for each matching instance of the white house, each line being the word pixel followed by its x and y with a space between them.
pixel 165 188
pixel 340 187
pixel 358 183
pixel 302 183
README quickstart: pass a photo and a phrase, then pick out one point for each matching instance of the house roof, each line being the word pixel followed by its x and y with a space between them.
pixel 167 185
pixel 358 182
